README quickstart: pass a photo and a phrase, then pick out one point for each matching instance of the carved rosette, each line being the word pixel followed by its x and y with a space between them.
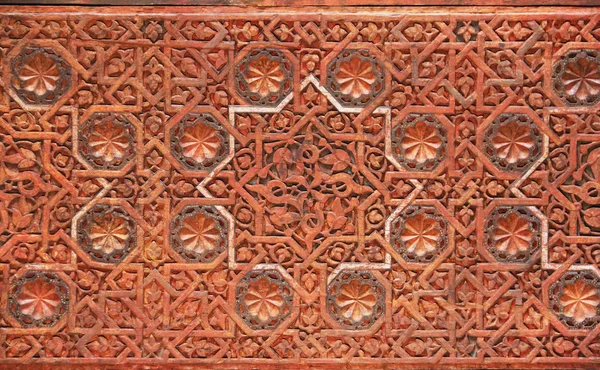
pixel 40 75
pixel 107 233
pixel 199 142
pixel 107 141
pixel 513 142
pixel 355 299
pixel 575 298
pixel 38 299
pixel 419 234
pixel 199 233
pixel 512 234
pixel 355 78
pixel 576 77
pixel 264 77
pixel 263 299
pixel 419 143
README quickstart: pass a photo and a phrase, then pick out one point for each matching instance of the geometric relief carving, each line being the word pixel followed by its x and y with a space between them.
pixel 242 186
pixel 40 76
pixel 38 299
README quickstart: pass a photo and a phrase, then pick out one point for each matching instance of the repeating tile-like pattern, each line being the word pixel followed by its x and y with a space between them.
pixel 300 187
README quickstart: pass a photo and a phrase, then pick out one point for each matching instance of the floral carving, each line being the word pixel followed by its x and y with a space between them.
pixel 577 77
pixel 419 143
pixel 335 186
pixel 264 299
pixel 513 233
pixel 39 299
pixel 355 77
pixel 513 142
pixel 419 234
pixel 107 233
pixel 40 75
pixel 355 299
pixel 581 78
pixel 106 140
pixel 576 298
pixel 580 300
pixel 264 77
pixel 466 30
pixel 199 233
pixel 200 142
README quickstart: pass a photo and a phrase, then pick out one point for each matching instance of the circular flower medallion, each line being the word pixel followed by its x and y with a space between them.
pixel 106 140
pixel 356 299
pixel 40 76
pixel 419 234
pixel 576 299
pixel 107 233
pixel 264 77
pixel 263 299
pixel 513 142
pixel 38 299
pixel 355 78
pixel 199 234
pixel 512 234
pixel 199 142
pixel 577 77
pixel 419 143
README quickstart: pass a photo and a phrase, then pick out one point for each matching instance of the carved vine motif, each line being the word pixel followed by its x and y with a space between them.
pixel 226 188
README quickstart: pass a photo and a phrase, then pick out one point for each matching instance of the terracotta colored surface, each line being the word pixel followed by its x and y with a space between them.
pixel 269 188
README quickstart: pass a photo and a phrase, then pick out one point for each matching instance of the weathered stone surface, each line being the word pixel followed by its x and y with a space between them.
pixel 289 188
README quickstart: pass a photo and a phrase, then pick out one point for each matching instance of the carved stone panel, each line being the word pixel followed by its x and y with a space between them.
pixel 300 188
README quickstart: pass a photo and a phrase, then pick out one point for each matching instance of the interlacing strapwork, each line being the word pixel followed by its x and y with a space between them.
pixel 402 188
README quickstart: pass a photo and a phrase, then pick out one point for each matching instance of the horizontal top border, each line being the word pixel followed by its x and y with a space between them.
pixel 259 11
pixel 301 3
